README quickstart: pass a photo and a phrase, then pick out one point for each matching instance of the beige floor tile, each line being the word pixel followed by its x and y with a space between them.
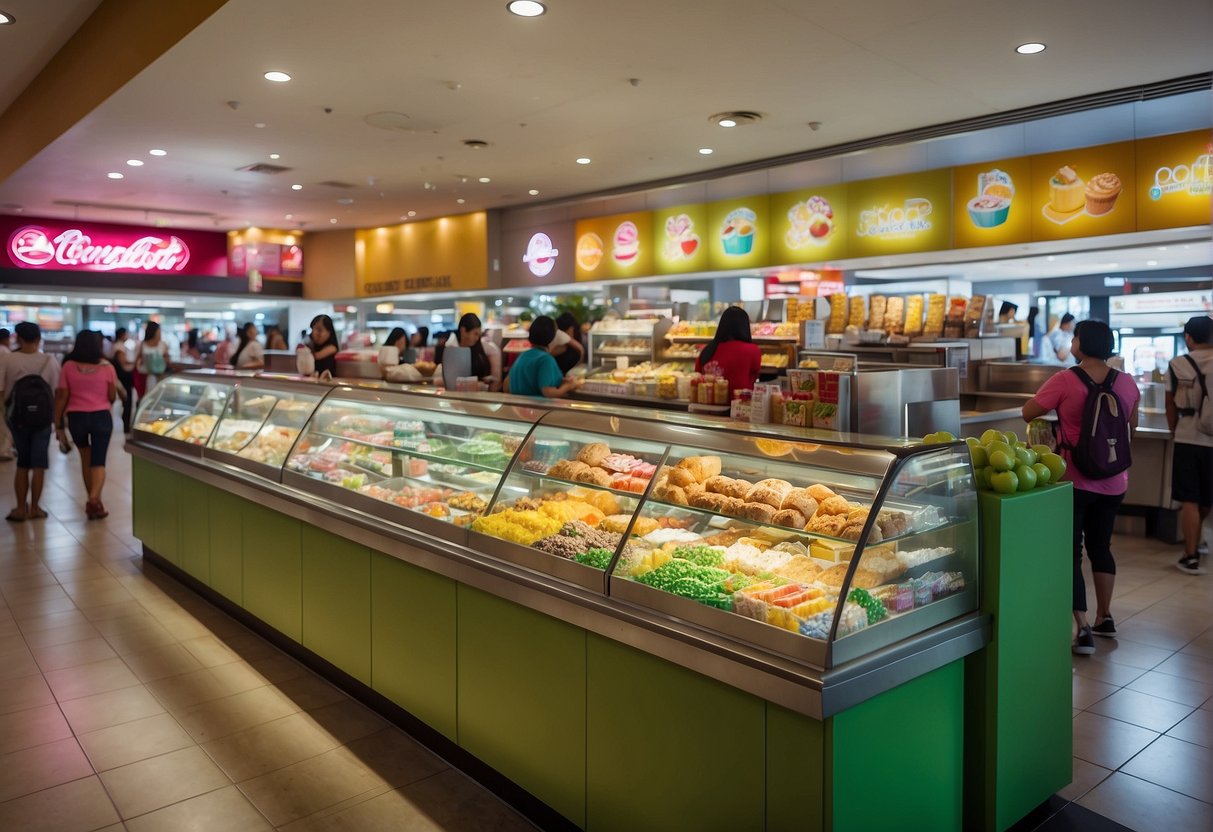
pixel 156 782
pixel 1197 728
pixel 210 651
pixel 306 787
pixel 161 662
pixel 61 635
pixel 73 654
pixel 1174 688
pixel 397 759
pixel 1142 709
pixel 309 691
pixel 102 710
pixel 348 720
pixel 35 726
pixel 219 718
pixel 179 693
pixel 89 679
pixel 1138 804
pixel 105 612
pixel 24 692
pixel 34 594
pixel 1087 691
pixel 1177 765
pixel 78 806
pixel 1131 653
pixel 40 609
pixel 223 809
pixel 16 665
pixel 1108 742
pixel 270 746
pixel 1085 777
pixel 452 801
pixel 53 621
pixel 277 669
pixel 42 766
pixel 1189 667
pixel 1102 670
pixel 132 741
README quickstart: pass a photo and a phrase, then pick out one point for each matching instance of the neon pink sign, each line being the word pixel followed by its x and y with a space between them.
pixel 35 247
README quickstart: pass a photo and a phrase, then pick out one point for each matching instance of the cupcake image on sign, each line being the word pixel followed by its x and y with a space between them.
pixel 737 232
pixel 681 241
pixel 540 256
pixel 992 205
pixel 626 244
pixel 1070 196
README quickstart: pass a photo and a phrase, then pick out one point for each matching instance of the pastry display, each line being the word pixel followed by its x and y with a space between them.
pixel 1101 193
pixel 1067 192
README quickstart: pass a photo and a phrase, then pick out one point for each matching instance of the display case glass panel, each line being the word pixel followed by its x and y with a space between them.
pixel 260 424
pixel 183 408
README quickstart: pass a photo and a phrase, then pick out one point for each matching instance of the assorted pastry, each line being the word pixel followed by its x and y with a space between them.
pixel 597 465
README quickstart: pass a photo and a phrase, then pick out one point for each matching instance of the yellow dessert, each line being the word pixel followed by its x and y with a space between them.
pixel 1066 191
pixel 1101 193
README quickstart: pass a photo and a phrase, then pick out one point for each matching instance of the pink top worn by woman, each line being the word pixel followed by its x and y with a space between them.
pixel 1066 393
pixel 87 386
pixel 739 362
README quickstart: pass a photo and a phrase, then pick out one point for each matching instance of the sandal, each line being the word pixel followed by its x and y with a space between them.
pixel 95 510
pixel 15 516
pixel 37 514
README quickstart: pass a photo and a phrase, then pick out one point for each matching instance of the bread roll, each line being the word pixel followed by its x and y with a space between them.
pixel 770 492
pixel 829 524
pixel 835 505
pixel 660 488
pixel 681 477
pixel 820 493
pixel 791 518
pixel 858 514
pixel 693 489
pixel 594 453
pixel 718 484
pixel 759 512
pixel 800 500
pixel 852 531
pixel 595 476
pixel 739 489
pixel 729 505
pixel 675 495
pixel 705 499
pixel 701 467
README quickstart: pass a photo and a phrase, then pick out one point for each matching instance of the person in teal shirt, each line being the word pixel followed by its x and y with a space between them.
pixel 535 372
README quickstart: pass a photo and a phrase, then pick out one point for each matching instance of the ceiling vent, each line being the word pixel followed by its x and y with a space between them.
pixel 739 118
pixel 263 167
pixel 333 183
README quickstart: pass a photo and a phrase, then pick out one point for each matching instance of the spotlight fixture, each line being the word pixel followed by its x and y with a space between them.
pixel 412 213
pixel 275 155
pixel 155 151
pixel 333 220
pixel 526 8
pixel 1030 48
pixel 7 19
pixel 115 175
pixel 296 187
pixel 135 163
pixel 705 151
pixel 277 76
pixel 584 160
pixel 461 200
pixel 484 180
pixel 727 122
pixel 533 192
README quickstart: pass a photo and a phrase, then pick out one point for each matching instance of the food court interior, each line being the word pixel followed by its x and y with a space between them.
pixel 323 601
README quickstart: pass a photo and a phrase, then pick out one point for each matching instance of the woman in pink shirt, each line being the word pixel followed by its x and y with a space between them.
pixel 733 351
pixel 87 388
pixel 1095 500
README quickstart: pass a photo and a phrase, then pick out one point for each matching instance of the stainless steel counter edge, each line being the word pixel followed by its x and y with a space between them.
pixel 761 673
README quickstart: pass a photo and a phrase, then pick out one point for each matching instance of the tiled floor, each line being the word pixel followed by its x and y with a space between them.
pixel 126 702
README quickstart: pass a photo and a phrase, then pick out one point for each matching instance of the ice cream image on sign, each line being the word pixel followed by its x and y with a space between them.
pixel 540 256
pixel 810 221
pixel 737 233
pixel 681 241
pixel 992 205
pixel 627 243
pixel 1071 197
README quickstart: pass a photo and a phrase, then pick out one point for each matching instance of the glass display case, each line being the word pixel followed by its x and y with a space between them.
pixel 181 411
pixel 260 423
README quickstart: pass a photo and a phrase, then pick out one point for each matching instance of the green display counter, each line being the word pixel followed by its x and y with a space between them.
pixel 607 736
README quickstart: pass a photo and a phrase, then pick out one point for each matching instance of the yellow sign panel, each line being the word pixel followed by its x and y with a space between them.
pixel 1087 192
pixel 992 203
pixel 613 247
pixel 446 254
pixel 679 236
pixel 809 226
pixel 739 233
pixel 900 214
pixel 1174 180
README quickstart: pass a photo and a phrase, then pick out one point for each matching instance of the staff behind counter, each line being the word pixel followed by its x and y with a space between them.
pixel 535 372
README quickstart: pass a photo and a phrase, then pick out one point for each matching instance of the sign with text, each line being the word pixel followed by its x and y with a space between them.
pixel 440 255
pixel 1087 192
pixel 809 226
pixel 900 214
pixel 612 247
pixel 679 241
pixel 992 203
pixel 739 233
pixel 1174 180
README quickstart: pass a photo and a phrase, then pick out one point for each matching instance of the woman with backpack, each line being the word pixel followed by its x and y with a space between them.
pixel 27 378
pixel 1096 415
pixel 151 359
pixel 85 394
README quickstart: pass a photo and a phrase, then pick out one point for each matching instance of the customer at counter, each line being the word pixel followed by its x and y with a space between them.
pixel 421 337
pixel 732 349
pixel 571 351
pixel 1095 500
pixel 1189 384
pixel 1057 342
pixel 399 339
pixel 249 355
pixel 535 372
pixel 323 344
pixel 486 356
pixel 274 339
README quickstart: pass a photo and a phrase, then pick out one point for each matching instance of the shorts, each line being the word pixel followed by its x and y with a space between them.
pixel 92 430
pixel 32 446
pixel 1192 474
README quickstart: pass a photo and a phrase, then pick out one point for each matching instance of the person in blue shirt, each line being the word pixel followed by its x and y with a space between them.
pixel 535 372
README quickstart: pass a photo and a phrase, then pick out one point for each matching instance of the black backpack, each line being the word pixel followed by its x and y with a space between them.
pixel 1102 450
pixel 31 405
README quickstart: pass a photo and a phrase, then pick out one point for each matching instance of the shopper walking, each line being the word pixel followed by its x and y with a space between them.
pixel 85 394
pixel 733 351
pixel 249 354
pixel 151 359
pixel 28 378
pixel 1096 499
pixel 1190 417
pixel 6 438
pixel 123 359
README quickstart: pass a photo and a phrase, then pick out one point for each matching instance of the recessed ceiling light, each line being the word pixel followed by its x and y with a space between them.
pixel 412 213
pixel 1151 262
pixel 461 200
pixel 727 122
pixel 135 163
pixel 533 192
pixel 259 124
pixel 115 175
pixel 290 216
pixel 705 151
pixel 296 187
pixel 277 77
pixel 526 8
pixel 484 180
pixel 333 220
pixel 6 19
pixel 584 160
pixel 155 151
pixel 1030 48
pixel 275 155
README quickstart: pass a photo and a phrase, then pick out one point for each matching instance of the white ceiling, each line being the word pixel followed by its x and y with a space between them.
pixel 544 91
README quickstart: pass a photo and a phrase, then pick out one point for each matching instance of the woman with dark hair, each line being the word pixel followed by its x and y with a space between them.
pixel 274 339
pixel 572 351
pixel 192 347
pixel 1095 500
pixel 85 393
pixel 324 345
pixel 249 355
pixel 124 369
pixel 421 337
pixel 486 357
pixel 733 351
pixel 151 359
pixel 397 338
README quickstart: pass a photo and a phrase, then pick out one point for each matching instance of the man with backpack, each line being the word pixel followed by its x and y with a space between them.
pixel 1190 417
pixel 28 378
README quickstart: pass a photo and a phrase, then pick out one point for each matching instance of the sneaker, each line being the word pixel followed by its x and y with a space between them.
pixel 1191 565
pixel 1105 628
pixel 1202 549
pixel 1084 644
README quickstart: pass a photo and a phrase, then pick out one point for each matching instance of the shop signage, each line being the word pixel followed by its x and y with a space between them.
pixel 900 214
pixel 678 239
pixel 74 249
pixel 739 233
pixel 268 258
pixel 617 246
pixel 1174 180
pixel 992 203
pixel 809 226
pixel 1086 192
pixel 540 257
pixel 537 255
pixel 1182 302
pixel 440 255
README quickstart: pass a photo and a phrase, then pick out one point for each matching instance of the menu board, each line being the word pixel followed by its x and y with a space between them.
pixel 1086 192
pixel 739 233
pixel 809 226
pixel 992 203
pixel 617 246
pixel 900 214
pixel 1174 180
pixel 679 236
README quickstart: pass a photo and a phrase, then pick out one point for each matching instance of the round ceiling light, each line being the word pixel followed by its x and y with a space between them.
pixel 735 118
pixel 461 200
pixel 115 175
pixel 1030 48
pixel 275 155
pixel 6 19
pixel 135 163
pixel 727 122
pixel 277 76
pixel 484 180
pixel 584 160
pixel 333 220
pixel 155 151
pixel 296 187
pixel 705 151
pixel 412 213
pixel 526 8
pixel 533 192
